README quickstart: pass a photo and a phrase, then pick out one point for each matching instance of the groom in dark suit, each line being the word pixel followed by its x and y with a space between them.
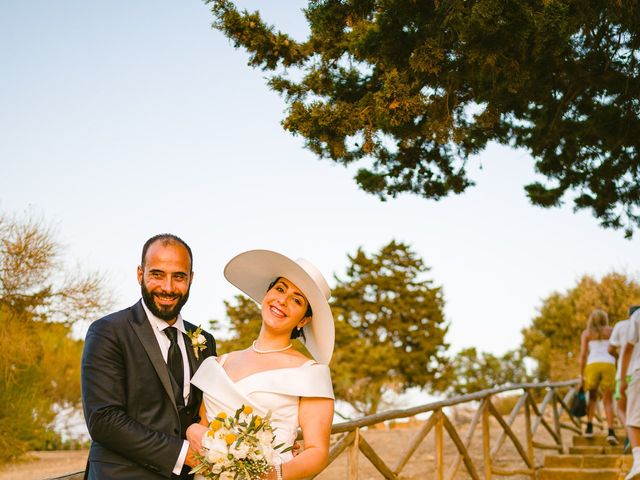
pixel 136 368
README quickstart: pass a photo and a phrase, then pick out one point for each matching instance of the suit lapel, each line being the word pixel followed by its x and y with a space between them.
pixel 144 331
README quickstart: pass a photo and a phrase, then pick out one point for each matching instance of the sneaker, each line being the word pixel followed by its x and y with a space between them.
pixel 634 474
pixel 611 437
pixel 588 433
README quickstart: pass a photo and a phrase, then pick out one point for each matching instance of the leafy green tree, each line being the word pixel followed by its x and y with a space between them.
pixel 473 371
pixel 390 327
pixel 553 339
pixel 410 89
pixel 39 360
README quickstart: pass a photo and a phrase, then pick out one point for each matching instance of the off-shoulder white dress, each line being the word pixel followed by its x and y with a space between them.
pixel 278 390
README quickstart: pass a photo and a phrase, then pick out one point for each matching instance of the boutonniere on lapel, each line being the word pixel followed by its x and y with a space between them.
pixel 198 342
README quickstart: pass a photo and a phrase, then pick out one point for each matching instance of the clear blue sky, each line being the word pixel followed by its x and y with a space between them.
pixel 120 120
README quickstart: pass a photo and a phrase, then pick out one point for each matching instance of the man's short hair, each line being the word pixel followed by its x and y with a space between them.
pixel 633 308
pixel 166 239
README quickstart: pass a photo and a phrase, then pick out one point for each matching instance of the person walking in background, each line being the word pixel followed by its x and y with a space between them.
pixel 630 368
pixel 598 369
pixel 617 342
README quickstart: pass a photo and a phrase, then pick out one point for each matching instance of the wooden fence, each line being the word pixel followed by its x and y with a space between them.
pixel 553 403
pixel 556 398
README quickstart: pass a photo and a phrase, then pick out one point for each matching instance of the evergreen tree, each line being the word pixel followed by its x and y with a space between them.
pixel 410 89
pixel 390 327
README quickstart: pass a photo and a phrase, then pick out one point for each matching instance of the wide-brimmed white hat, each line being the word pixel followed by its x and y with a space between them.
pixel 253 271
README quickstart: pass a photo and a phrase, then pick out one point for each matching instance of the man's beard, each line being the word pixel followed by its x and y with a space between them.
pixel 162 312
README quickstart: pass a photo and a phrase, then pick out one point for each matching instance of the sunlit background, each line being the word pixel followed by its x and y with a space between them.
pixel 120 120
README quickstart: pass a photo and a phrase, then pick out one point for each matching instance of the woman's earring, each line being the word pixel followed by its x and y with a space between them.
pixel 299 328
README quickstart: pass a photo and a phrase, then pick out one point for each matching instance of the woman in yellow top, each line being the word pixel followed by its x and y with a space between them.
pixel 598 369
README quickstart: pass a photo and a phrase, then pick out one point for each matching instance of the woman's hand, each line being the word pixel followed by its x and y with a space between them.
pixel 194 436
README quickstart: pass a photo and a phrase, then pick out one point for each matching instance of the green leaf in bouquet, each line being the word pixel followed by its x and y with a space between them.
pixel 202 466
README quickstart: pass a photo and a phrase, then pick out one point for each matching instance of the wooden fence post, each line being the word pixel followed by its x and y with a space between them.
pixel 486 439
pixel 440 448
pixel 353 457
pixel 529 438
pixel 556 418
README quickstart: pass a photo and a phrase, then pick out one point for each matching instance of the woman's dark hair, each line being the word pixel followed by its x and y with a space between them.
pixel 295 333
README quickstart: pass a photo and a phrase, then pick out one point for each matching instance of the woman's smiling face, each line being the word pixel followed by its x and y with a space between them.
pixel 284 306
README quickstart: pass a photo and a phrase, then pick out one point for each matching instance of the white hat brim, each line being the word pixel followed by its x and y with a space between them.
pixel 253 271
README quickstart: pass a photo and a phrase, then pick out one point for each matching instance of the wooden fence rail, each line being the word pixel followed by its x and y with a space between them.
pixel 347 438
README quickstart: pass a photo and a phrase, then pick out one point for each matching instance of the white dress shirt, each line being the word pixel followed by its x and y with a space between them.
pixel 158 325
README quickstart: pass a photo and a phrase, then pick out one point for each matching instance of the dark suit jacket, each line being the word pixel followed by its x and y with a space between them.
pixel 129 404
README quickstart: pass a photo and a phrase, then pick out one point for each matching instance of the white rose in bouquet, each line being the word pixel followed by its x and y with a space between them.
pixel 269 454
pixel 216 449
pixel 241 451
pixel 264 436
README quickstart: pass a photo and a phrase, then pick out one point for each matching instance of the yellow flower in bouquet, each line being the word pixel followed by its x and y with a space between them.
pixel 239 447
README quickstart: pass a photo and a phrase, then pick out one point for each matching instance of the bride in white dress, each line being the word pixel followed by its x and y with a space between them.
pixel 270 375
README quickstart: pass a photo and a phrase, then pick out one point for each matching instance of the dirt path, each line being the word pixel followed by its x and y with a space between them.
pixel 41 465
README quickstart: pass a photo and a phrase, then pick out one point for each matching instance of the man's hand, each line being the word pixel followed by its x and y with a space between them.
pixel 191 460
pixel 194 437
pixel 623 388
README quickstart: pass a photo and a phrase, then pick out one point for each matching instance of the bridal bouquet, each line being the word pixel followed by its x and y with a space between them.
pixel 241 447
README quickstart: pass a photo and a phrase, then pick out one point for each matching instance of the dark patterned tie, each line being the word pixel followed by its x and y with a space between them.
pixel 174 360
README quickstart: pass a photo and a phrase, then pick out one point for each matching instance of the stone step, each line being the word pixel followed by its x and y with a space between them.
pixel 599 439
pixel 597 450
pixel 579 474
pixel 588 461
